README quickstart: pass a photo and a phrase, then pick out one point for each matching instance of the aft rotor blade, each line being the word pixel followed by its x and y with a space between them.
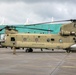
pixel 72 20
pixel 8 27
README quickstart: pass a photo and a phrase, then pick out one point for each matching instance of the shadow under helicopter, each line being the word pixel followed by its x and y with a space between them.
pixel 38 51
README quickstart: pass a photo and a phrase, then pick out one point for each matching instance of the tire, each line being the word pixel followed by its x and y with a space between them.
pixel 29 50
pixel 68 51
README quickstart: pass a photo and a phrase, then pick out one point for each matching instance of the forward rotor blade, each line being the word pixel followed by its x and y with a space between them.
pixel 6 27
pixel 35 28
pixel 2 29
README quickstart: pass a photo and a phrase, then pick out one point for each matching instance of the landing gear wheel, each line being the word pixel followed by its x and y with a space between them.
pixel 68 51
pixel 41 49
pixel 29 50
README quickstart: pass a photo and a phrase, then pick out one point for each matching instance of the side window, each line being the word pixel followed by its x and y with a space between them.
pixel 52 39
pixel 12 39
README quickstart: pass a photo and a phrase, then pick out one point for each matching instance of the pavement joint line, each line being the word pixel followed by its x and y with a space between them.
pixel 59 64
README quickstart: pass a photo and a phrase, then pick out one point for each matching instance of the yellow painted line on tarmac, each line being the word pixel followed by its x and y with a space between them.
pixel 68 66
pixel 56 59
pixel 71 58
pixel 36 66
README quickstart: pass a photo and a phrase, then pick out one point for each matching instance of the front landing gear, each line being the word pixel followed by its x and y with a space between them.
pixel 29 50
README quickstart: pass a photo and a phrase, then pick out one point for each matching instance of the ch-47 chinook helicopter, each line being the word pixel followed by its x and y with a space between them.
pixel 63 40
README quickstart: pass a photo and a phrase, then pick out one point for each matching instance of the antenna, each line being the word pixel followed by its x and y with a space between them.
pixel 3 19
pixel 27 21
pixel 52 19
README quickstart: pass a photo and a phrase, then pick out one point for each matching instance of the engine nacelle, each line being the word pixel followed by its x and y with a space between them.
pixel 67 33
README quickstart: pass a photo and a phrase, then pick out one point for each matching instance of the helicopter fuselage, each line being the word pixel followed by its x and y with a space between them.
pixel 63 40
pixel 49 41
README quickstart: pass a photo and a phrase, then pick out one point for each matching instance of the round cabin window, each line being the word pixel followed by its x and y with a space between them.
pixel 48 40
pixel 60 40
pixel 24 39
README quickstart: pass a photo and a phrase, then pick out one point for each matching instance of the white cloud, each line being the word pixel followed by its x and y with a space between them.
pixel 17 11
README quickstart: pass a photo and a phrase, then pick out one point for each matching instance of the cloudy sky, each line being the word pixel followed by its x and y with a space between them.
pixel 35 11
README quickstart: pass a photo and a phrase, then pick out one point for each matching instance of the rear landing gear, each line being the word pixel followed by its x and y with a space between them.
pixel 29 50
pixel 41 49
pixel 68 51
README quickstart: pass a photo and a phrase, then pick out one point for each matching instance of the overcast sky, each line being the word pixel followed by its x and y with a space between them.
pixel 34 11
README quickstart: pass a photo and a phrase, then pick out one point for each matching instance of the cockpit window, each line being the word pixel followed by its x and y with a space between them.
pixel 3 37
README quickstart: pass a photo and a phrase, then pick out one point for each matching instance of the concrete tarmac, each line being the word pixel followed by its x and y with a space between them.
pixel 37 63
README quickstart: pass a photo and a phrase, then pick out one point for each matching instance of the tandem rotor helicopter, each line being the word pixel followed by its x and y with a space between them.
pixel 63 40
